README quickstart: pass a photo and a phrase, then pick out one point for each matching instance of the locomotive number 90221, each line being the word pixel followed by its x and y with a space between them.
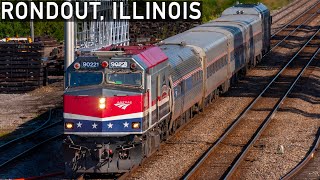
pixel 90 64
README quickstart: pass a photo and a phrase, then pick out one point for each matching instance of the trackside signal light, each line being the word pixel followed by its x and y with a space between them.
pixel 69 125
pixel 104 64
pixel 76 66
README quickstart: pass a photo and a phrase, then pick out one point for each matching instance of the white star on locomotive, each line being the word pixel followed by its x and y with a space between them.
pixel 126 124
pixel 79 124
pixel 94 126
pixel 110 125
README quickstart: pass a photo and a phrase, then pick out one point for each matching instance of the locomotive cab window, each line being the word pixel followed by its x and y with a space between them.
pixel 85 78
pixel 125 78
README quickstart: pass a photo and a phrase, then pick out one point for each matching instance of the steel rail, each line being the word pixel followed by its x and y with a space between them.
pixel 295 19
pixel 40 128
pixel 285 38
pixel 279 12
pixel 230 128
pixel 267 121
pixel 28 150
pixel 305 161
pixel 28 134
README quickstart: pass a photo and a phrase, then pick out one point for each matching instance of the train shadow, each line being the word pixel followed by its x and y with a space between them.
pixel 45 159
pixel 306 89
pixel 32 124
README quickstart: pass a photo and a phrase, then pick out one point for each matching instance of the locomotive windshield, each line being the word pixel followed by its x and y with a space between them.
pixel 85 78
pixel 129 79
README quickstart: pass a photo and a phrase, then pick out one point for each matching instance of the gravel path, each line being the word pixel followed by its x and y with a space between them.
pixel 178 154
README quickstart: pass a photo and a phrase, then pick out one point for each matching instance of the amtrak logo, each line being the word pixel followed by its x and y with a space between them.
pixel 123 104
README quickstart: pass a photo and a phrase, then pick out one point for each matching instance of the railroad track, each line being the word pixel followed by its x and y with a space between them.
pixel 287 10
pixel 224 156
pixel 298 22
pixel 308 164
pixel 294 26
pixel 20 146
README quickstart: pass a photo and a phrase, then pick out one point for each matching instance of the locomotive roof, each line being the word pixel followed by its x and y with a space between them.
pixel 204 39
pixel 215 32
pixel 245 19
pixel 150 57
pixel 254 9
pixel 146 56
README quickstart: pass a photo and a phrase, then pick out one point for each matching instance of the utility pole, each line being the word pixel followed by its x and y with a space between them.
pixel 68 43
pixel 31 28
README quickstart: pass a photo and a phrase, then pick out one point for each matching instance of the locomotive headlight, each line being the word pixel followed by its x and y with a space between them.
pixel 102 106
pixel 136 125
pixel 102 100
pixel 102 103
pixel 69 125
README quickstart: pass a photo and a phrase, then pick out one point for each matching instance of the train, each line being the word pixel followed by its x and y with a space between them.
pixel 121 102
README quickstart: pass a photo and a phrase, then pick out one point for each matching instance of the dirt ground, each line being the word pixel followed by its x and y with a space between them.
pixel 17 109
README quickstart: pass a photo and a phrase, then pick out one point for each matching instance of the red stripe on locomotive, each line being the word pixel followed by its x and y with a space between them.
pixel 115 106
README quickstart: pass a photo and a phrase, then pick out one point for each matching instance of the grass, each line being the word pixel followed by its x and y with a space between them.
pixel 4 133
pixel 212 9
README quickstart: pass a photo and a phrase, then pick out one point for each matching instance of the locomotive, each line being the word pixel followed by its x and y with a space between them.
pixel 120 103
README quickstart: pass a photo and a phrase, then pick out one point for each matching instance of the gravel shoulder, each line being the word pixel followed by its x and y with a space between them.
pixel 293 127
pixel 17 109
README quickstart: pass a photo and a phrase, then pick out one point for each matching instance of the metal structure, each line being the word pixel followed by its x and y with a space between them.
pixel 93 34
